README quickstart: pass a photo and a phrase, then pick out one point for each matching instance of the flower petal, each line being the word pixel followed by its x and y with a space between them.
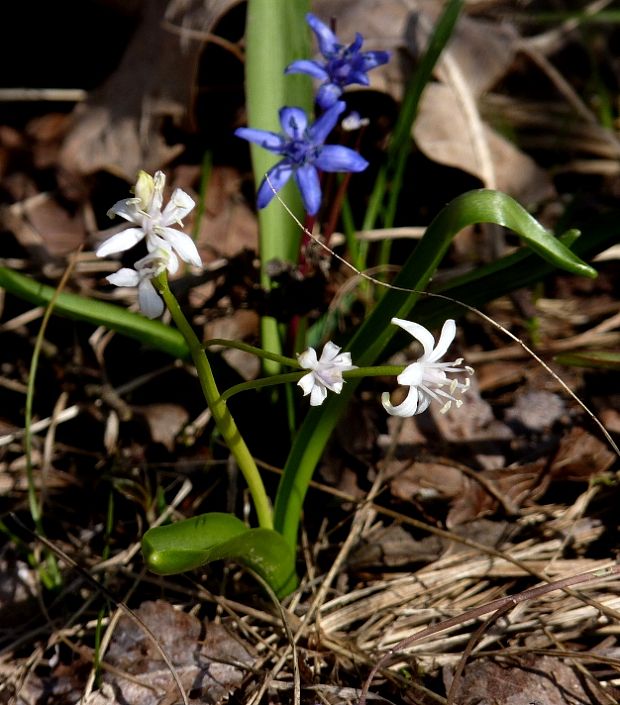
pixel 157 196
pixel 328 41
pixel 294 122
pixel 151 304
pixel 277 177
pixel 183 244
pixel 307 179
pixel 321 128
pixel 120 242
pixel 308 359
pixel 373 59
pixel 419 333
pixel 179 205
pixel 412 375
pixel 409 407
pixel 328 94
pixel 318 395
pixel 448 333
pixel 124 277
pixel 263 138
pixel 312 68
pixel 334 157
pixel 128 208
pixel 330 352
pixel 307 383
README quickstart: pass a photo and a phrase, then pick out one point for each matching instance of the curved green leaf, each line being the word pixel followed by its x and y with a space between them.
pixel 481 206
pixel 194 542
pixel 135 325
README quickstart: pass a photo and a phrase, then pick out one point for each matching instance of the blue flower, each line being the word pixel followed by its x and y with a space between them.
pixel 343 65
pixel 303 154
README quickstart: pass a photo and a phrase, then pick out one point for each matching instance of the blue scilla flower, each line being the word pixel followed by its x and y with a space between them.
pixel 303 153
pixel 343 64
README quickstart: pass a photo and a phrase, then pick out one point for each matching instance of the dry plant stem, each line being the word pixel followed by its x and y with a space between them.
pixel 291 641
pixel 458 674
pixel 104 590
pixel 473 310
pixel 502 603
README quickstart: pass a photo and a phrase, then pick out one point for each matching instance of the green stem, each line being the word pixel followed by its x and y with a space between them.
pixel 259 352
pixel 221 415
pixel 378 371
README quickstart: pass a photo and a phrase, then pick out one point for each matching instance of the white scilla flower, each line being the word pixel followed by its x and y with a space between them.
pixel 428 379
pixel 144 211
pixel 325 372
pixel 146 268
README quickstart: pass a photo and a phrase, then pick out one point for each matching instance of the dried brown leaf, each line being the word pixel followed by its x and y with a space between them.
pixel 210 664
pixel 119 127
pixel 532 679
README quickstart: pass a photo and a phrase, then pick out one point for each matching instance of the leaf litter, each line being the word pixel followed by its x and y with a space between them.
pixel 469 507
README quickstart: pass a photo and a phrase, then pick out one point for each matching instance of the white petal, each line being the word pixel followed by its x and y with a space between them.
pixel 308 359
pixel 407 408
pixel 318 394
pixel 330 351
pixel 307 383
pixel 412 375
pixel 448 333
pixel 120 242
pixel 183 244
pixel 159 181
pixel 124 277
pixel 151 304
pixel 419 333
pixel 129 209
pixel 179 205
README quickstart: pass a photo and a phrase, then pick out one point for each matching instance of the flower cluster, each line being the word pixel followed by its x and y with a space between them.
pixel 427 378
pixel 148 222
pixel 342 66
pixel 302 147
pixel 303 153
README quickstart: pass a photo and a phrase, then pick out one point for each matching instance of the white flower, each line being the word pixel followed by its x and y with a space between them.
pixel 427 377
pixel 144 211
pixel 325 373
pixel 146 268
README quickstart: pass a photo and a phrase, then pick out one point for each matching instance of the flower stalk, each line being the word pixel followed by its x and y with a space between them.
pixel 221 415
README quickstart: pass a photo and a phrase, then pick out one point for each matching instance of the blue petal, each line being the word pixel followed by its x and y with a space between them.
pixel 357 44
pixel 307 179
pixel 328 94
pixel 328 41
pixel 312 68
pixel 278 176
pixel 264 138
pixel 294 122
pixel 372 59
pixel 325 124
pixel 358 77
pixel 334 157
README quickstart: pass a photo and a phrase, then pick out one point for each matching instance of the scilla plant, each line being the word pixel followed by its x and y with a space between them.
pixel 290 151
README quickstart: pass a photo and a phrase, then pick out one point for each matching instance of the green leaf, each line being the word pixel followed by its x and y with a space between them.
pixel 591 358
pixel 482 206
pixel 276 35
pixel 152 333
pixel 189 544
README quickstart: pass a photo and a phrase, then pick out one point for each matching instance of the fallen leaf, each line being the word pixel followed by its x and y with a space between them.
pixel 165 422
pixel 119 127
pixel 540 680
pixel 208 659
pixel 581 456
